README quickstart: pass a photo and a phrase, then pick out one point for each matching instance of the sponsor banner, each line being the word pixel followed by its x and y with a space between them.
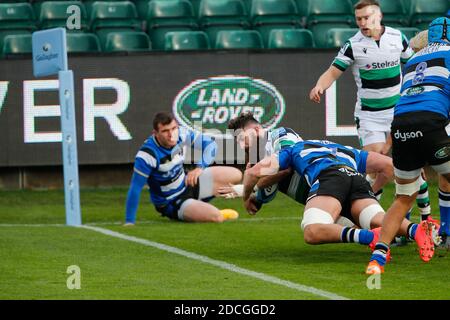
pixel 117 96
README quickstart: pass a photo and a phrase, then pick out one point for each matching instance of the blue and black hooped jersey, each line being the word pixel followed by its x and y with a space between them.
pixel 426 85
pixel 164 168
pixel 309 158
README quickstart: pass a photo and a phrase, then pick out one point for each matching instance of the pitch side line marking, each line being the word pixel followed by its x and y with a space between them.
pixel 218 263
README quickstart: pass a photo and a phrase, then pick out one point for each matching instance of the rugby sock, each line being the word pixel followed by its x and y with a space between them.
pixel 444 207
pixel 380 252
pixel 361 236
pixel 411 230
pixel 423 200
pixel 408 215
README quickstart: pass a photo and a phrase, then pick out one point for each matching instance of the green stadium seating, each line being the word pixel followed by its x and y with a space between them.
pixel 336 37
pixel 5 33
pixel 17 44
pixel 409 32
pixel 187 40
pixel 267 15
pixel 196 6
pixel 326 14
pixel 127 41
pixel 54 14
pixel 425 11
pixel 88 4
pixel 394 14
pixel 17 16
pixel 82 42
pixel 113 16
pixel 290 39
pixel 218 15
pixel 169 15
pixel 141 8
pixel 239 39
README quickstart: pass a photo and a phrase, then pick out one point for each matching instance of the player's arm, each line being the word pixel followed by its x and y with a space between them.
pixel 324 82
pixel 273 179
pixel 134 194
pixel 266 167
pixel 407 51
pixel 419 41
pixel 381 165
pixel 144 164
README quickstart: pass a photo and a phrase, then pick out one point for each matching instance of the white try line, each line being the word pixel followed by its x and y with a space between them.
pixel 220 264
pixel 108 223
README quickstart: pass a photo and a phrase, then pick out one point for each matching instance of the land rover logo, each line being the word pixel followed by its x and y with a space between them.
pixel 442 153
pixel 414 90
pixel 214 101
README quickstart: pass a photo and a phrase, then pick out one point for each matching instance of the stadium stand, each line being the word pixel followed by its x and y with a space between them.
pixel 82 42
pixel 326 14
pixel 16 44
pixel 394 13
pixel 127 41
pixel 239 39
pixel 290 39
pixel 54 14
pixel 186 40
pixel 169 15
pixel 336 37
pixel 218 15
pixel 110 16
pixel 425 11
pixel 267 15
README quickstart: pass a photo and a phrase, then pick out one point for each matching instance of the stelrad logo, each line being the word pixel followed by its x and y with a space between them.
pixel 211 103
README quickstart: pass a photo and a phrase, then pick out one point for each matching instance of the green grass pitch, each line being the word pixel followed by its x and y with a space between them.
pixel 36 249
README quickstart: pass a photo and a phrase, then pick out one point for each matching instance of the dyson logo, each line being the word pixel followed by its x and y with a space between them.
pixel 407 135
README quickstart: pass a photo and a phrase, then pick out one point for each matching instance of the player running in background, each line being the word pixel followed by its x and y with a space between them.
pixel 159 163
pixel 335 188
pixel 420 118
pixel 374 54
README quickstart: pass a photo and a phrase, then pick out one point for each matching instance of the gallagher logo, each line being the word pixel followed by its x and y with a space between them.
pixel 213 102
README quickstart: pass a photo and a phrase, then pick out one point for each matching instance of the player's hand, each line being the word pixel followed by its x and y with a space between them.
pixel 192 176
pixel 315 94
pixel 250 206
pixel 227 192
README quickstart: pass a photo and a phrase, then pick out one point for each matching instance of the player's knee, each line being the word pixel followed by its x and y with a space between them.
pixel 310 234
pixel 235 175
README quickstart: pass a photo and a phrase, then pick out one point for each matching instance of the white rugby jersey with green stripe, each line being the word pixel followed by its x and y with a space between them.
pixel 377 71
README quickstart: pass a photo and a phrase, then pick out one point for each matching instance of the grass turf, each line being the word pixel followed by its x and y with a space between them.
pixel 35 258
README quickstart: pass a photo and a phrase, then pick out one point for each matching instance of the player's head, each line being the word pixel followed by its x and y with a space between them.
pixel 439 30
pixel 165 129
pixel 247 128
pixel 368 17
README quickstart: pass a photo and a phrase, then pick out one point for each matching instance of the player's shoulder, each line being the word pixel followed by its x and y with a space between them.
pixel 356 39
pixel 392 31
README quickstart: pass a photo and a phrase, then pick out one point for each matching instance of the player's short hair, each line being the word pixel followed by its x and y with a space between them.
pixel 241 121
pixel 365 3
pixel 163 118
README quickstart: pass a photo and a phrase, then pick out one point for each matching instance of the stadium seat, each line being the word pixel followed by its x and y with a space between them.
pixel 290 38
pixel 169 15
pixel 239 39
pixel 409 32
pixel 394 14
pixel 127 41
pixel 326 14
pixel 82 42
pixel 17 16
pixel 54 14
pixel 267 15
pixel 113 16
pixel 196 6
pixel 218 15
pixel 336 37
pixel 425 11
pixel 17 44
pixel 187 40
pixel 141 8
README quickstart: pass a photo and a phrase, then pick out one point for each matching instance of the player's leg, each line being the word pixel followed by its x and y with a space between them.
pixel 193 210
pixel 217 177
pixel 444 207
